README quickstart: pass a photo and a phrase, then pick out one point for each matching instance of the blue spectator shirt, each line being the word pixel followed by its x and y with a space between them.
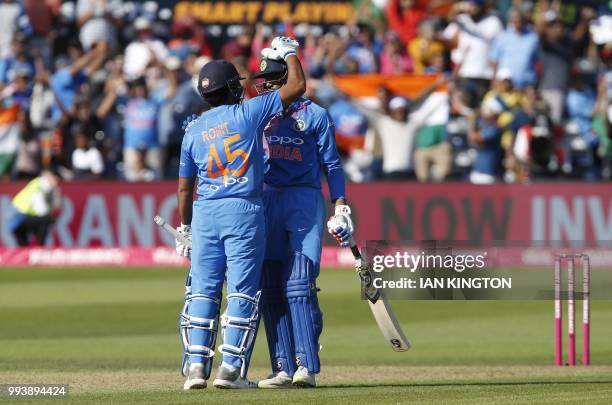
pixel 349 121
pixel 580 104
pixel 140 123
pixel 518 52
pixel 65 86
pixel 490 154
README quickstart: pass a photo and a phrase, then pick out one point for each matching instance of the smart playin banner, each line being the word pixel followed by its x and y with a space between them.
pixel 249 12
pixel 112 214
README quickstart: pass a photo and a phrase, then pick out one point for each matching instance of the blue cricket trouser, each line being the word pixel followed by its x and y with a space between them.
pixel 294 223
pixel 228 242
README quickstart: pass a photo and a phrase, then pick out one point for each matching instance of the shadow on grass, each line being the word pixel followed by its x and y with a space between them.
pixel 465 384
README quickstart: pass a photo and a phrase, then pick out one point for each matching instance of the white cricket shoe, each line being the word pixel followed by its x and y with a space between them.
pixel 303 378
pixel 276 380
pixel 228 377
pixel 195 377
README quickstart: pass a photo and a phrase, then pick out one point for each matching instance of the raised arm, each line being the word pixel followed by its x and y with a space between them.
pixel 286 49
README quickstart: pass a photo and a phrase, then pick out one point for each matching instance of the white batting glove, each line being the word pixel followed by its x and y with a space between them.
pixel 269 53
pixel 181 248
pixel 285 46
pixel 340 226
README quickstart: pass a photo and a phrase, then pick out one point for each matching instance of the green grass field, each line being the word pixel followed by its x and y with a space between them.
pixel 111 334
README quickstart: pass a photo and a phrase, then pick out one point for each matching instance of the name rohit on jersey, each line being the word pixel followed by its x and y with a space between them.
pixel 285 147
pixel 215 132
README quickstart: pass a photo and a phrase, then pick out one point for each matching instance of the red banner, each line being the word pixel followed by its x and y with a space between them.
pixel 332 256
pixel 112 214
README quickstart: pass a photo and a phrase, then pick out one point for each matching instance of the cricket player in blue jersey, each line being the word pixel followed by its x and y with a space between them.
pixel 224 150
pixel 300 140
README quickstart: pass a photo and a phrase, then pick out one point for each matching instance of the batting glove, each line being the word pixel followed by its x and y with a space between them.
pixel 340 225
pixel 269 53
pixel 181 248
pixel 285 46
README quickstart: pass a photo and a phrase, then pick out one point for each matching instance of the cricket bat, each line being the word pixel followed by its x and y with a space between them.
pixel 170 229
pixel 380 307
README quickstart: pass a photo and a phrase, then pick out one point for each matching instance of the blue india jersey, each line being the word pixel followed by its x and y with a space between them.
pixel 300 141
pixel 224 148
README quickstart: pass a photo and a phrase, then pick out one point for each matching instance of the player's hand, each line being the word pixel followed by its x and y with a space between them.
pixel 188 122
pixel 285 46
pixel 269 53
pixel 340 225
pixel 181 248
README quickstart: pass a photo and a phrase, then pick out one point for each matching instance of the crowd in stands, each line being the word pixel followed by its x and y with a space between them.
pixel 520 91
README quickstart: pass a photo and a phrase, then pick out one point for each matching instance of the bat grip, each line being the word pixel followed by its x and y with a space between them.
pixel 355 249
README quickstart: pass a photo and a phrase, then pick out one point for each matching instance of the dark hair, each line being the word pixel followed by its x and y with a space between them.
pixel 138 82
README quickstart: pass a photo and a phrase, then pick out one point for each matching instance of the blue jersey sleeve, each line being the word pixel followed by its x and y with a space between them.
pixel 187 167
pixel 262 108
pixel 329 157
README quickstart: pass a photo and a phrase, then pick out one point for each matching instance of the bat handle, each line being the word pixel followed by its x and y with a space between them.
pixel 355 249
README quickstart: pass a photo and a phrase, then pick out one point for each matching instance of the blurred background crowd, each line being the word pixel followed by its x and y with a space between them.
pixel 522 89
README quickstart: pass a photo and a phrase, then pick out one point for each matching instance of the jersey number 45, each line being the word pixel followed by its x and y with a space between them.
pixel 224 164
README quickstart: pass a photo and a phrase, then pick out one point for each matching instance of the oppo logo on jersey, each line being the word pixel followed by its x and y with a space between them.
pixel 228 182
pixel 284 140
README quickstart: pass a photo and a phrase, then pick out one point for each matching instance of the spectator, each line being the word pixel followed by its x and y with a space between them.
pixel 10 129
pixel 87 163
pixel 143 51
pixel 510 98
pixel 351 125
pixel 581 104
pixel 403 17
pixel 41 107
pixel 140 132
pixel 96 19
pixel 583 142
pixel 486 136
pixel 188 37
pixel 181 101
pixel 437 64
pixel 602 125
pixel 533 151
pixel 473 31
pixel 42 15
pixel 424 47
pixel 556 56
pixel 27 164
pixel 10 11
pixel 516 49
pixel 139 170
pixel 364 50
pixel 239 46
pixel 432 155
pixel 394 59
pixel 86 88
pixel 396 133
pixel 71 75
pixel 18 59
pixel 81 118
